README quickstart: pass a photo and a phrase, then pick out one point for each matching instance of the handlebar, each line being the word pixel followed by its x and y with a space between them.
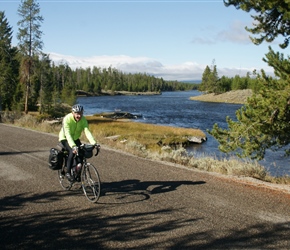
pixel 96 146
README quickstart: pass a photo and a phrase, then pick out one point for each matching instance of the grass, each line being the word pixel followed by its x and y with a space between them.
pixel 152 137
pixel 157 143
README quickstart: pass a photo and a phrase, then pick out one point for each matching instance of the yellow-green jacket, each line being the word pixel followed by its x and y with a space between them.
pixel 72 130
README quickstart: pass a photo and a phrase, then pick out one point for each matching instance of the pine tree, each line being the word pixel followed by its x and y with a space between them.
pixel 264 121
pixel 205 80
pixel 30 43
pixel 213 79
pixel 8 64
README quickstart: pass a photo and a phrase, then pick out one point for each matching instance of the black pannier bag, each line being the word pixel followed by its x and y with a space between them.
pixel 55 159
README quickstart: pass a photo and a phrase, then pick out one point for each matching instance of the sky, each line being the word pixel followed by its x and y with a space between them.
pixel 174 40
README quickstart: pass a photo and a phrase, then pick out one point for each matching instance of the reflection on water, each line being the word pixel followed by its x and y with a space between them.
pixel 175 109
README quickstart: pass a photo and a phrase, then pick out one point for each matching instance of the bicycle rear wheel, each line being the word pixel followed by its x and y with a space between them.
pixel 64 182
pixel 91 183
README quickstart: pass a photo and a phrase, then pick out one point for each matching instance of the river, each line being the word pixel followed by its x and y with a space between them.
pixel 177 110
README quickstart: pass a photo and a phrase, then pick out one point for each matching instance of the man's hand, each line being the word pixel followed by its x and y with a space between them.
pixel 98 148
pixel 75 150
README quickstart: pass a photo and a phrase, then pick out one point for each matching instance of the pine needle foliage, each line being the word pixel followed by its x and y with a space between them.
pixel 271 19
pixel 263 122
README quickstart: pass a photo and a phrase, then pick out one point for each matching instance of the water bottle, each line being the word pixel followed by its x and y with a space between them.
pixel 78 167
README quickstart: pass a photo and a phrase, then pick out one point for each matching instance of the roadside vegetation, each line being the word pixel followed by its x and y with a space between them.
pixel 153 142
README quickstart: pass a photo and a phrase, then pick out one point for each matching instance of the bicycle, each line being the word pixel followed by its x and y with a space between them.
pixel 82 171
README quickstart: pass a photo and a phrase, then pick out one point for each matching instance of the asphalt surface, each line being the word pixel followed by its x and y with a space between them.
pixel 144 204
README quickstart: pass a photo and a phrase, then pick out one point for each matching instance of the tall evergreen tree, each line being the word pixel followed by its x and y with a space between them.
pixel 213 79
pixel 30 43
pixel 263 122
pixel 8 64
pixel 205 80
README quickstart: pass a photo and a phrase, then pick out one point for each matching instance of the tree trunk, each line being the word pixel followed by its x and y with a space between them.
pixel 26 98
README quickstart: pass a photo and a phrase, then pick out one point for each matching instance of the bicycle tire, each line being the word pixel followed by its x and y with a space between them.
pixel 64 182
pixel 91 183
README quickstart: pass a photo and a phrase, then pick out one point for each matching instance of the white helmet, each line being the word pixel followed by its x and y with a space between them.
pixel 77 108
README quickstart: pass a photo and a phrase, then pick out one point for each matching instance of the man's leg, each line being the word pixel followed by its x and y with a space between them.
pixel 69 159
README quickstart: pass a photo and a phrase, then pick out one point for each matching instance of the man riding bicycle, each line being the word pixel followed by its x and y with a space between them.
pixel 73 125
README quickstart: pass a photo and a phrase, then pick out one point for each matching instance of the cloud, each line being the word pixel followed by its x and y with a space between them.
pixel 203 40
pixel 235 33
pixel 150 66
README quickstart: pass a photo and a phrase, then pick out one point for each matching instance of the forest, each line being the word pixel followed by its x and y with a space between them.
pixel 212 83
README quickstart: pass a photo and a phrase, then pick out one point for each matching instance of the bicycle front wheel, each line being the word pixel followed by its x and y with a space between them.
pixel 91 183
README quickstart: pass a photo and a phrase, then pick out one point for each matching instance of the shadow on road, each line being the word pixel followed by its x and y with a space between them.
pixel 130 191
pixel 155 186
pixel 24 227
pixel 23 152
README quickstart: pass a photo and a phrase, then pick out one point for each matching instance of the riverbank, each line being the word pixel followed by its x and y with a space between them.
pixel 234 96
pixel 106 93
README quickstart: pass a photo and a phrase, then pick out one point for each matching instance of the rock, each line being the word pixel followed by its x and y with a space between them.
pixel 121 115
pixel 113 137
pixel 195 139
pixel 53 122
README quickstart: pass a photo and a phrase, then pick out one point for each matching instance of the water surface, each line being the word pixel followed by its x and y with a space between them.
pixel 177 110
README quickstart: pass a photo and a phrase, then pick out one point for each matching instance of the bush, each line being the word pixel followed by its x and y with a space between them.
pixel 10 116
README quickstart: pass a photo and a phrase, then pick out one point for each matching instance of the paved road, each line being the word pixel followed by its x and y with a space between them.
pixel 145 204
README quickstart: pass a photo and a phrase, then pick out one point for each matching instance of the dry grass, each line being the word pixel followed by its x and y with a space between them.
pixel 235 96
pixel 32 122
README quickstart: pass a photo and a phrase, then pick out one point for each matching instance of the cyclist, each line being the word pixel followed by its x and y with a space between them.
pixel 73 125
